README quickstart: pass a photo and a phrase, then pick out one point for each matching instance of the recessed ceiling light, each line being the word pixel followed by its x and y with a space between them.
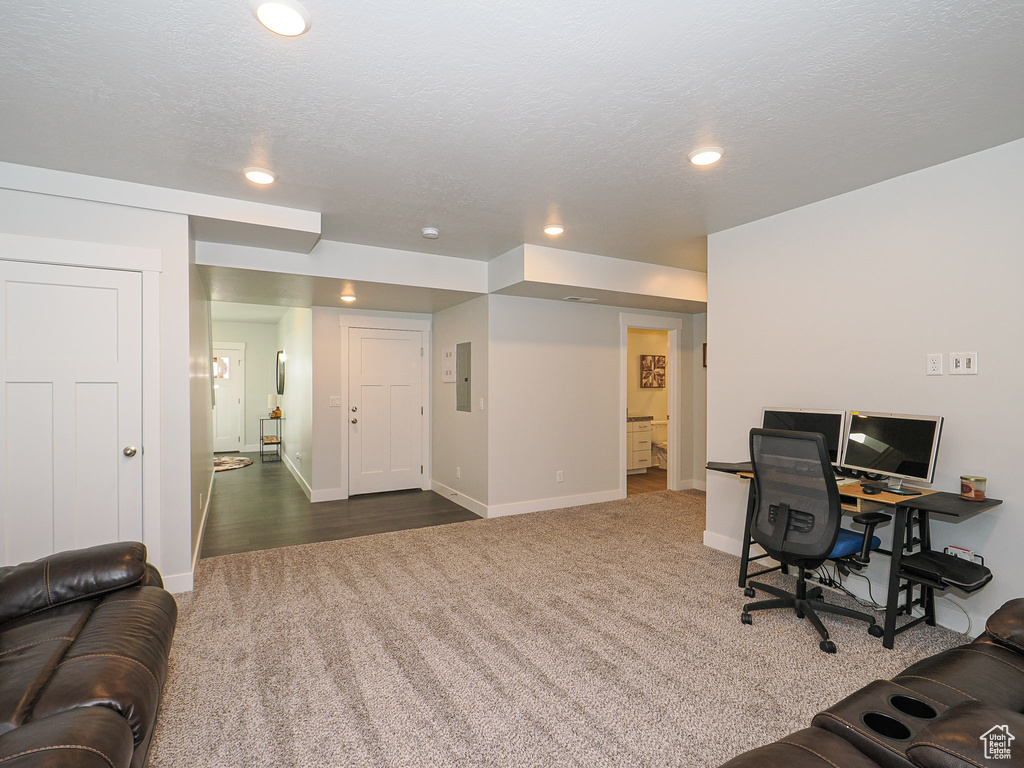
pixel 348 298
pixel 431 233
pixel 554 229
pixel 283 17
pixel 706 155
pixel 259 175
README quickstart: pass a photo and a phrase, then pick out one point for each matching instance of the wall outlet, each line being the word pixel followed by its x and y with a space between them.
pixel 298 457
pixel 934 364
pixel 481 403
pixel 963 363
pixel 448 365
pixel 458 473
pixel 559 476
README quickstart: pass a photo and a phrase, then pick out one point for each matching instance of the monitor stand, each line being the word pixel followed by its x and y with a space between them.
pixel 896 486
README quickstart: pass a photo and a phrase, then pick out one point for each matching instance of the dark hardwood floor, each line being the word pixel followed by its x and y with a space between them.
pixel 654 479
pixel 262 507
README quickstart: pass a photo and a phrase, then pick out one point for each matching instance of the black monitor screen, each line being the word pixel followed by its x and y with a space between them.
pixel 890 444
pixel 827 423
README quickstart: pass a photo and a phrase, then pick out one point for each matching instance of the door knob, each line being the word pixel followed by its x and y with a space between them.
pixel 130 451
pixel 354 409
pixel 355 421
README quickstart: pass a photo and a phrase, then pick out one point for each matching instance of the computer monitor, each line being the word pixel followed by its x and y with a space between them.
pixel 898 445
pixel 827 423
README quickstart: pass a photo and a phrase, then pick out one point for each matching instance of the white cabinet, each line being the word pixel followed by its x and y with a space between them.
pixel 638 445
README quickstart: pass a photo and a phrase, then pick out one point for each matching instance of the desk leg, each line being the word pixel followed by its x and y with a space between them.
pixel 745 551
pixel 892 604
pixel 928 592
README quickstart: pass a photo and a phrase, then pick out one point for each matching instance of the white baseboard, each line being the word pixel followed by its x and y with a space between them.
pixel 202 525
pixel 298 478
pixel 178 583
pixel 467 502
pixel 723 543
pixel 700 485
pixel 557 502
pixel 328 494
pixel 254 448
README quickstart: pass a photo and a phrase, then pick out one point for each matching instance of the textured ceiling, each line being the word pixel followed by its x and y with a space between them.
pixel 486 118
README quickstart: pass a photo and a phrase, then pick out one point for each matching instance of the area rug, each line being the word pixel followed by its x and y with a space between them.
pixel 600 636
pixel 225 463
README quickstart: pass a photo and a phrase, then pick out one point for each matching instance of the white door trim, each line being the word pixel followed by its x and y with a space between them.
pixel 674 326
pixel 389 322
pixel 239 347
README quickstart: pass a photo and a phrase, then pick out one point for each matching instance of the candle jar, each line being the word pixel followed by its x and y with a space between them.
pixel 972 488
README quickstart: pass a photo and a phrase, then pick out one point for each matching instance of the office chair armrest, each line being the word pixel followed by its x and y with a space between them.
pixel 869 520
pixel 872 518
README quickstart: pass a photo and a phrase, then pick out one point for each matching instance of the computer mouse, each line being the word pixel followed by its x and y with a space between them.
pixel 870 490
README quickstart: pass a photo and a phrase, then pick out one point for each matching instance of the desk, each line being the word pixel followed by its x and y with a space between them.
pixel 909 511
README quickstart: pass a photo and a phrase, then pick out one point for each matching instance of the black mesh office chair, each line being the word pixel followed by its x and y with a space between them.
pixel 796 521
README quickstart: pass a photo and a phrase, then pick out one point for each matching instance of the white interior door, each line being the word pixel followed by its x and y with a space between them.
pixel 71 411
pixel 385 417
pixel 229 392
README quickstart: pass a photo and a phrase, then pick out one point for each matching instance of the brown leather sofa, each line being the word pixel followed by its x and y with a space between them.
pixel 959 708
pixel 84 640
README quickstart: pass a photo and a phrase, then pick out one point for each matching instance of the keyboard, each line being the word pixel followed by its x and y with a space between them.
pixel 847 480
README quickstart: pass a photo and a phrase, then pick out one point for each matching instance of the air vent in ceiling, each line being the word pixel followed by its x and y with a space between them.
pixel 579 298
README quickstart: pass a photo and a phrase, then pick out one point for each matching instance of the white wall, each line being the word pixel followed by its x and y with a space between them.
pixel 62 218
pixel 200 408
pixel 459 439
pixel 645 401
pixel 295 338
pixel 554 376
pixel 700 402
pixel 260 341
pixel 835 305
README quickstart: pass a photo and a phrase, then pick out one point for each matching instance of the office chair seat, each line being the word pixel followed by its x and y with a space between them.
pixel 850 543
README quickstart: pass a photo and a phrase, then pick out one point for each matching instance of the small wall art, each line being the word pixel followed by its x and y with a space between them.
pixel 652 371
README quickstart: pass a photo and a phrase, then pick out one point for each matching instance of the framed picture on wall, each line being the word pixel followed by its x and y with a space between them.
pixel 652 371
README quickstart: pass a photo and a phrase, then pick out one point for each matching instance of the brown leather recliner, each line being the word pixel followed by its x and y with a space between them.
pixel 84 641
pixel 961 708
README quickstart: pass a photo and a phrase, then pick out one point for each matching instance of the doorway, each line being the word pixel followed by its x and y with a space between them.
pixel 386 410
pixel 229 396
pixel 662 372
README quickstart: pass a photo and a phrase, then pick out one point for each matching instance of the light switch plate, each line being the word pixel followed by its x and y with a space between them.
pixel 335 401
pixel 448 365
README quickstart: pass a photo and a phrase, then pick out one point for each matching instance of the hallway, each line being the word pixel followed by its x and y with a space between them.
pixel 262 507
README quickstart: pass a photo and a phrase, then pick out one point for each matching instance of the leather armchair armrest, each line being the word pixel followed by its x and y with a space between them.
pixel 64 577
pixel 1007 624
pixel 970 735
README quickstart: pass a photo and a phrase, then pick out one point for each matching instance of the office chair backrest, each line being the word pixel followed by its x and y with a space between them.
pixel 798 514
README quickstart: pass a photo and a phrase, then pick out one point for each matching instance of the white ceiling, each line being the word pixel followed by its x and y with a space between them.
pixel 487 118
pixel 246 313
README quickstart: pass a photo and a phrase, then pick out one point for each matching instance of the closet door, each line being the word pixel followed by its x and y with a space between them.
pixel 71 410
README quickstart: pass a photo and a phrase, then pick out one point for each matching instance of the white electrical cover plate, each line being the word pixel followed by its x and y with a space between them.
pixel 448 365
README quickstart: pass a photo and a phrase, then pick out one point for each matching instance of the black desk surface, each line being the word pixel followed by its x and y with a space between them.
pixel 733 467
pixel 948 504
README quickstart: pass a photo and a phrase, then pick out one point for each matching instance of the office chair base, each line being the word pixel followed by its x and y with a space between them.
pixel 807 607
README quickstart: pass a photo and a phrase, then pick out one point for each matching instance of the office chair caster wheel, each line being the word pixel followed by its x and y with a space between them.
pixel 875 630
pixel 746 619
pixel 749 592
pixel 827 646
pixel 799 614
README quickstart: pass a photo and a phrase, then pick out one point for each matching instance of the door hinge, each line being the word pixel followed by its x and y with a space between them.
pixel 421 469
pixel 421 351
pixel 421 410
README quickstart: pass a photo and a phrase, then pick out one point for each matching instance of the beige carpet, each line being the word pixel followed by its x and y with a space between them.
pixel 604 635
